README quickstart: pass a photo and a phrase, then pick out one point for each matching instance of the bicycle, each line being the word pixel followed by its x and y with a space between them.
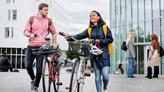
pixel 79 68
pixel 50 66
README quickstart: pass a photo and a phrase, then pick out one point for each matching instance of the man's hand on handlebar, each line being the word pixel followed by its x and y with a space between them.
pixel 32 36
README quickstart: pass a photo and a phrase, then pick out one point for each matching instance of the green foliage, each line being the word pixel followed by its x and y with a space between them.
pixel 69 55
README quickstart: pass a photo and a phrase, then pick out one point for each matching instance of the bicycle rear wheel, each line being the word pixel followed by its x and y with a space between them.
pixel 45 75
pixel 74 82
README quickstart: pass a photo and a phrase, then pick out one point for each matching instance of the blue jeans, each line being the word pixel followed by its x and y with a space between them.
pixel 131 66
pixel 105 74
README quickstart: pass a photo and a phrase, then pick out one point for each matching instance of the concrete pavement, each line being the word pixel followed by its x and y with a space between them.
pixel 20 82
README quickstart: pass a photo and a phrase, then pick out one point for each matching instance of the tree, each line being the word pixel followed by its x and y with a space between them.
pixel 69 55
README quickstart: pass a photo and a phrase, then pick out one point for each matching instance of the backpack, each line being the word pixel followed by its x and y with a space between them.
pixel 161 51
pixel 49 23
pixel 110 47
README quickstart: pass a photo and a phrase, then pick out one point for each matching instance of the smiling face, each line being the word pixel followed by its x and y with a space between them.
pixel 94 18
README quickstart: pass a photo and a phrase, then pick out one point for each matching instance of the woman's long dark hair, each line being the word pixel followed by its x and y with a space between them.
pixel 99 22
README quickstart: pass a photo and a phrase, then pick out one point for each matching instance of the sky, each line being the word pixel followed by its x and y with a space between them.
pixel 79 11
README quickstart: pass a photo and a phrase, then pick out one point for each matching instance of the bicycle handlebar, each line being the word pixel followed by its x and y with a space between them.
pixel 71 38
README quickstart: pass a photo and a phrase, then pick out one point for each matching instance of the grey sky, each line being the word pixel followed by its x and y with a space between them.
pixel 79 11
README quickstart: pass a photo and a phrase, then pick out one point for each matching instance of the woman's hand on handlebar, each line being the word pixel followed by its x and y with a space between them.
pixel 67 37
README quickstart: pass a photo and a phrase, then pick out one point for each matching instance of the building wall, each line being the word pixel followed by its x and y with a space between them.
pixel 144 17
pixel 13 41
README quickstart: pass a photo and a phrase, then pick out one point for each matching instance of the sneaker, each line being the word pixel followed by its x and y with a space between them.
pixel 35 89
pixel 32 84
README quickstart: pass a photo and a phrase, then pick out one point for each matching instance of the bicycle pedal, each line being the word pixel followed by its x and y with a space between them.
pixel 87 74
pixel 59 83
pixel 67 88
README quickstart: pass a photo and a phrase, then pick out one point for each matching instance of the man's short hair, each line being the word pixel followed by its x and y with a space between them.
pixel 42 5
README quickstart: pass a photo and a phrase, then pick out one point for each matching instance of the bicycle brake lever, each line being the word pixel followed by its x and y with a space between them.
pixel 35 35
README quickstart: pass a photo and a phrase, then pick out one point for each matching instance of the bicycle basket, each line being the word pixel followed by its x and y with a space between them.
pixel 74 48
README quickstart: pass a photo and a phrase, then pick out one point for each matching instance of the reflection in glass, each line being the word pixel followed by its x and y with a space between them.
pixel 162 43
pixel 155 8
pixel 141 32
pixel 134 7
pixel 156 27
pixel 113 13
pixel 136 31
pixel 141 59
pixel 117 12
pixel 148 31
pixel 148 9
pixel 162 7
pixel 128 13
pixel 122 12
pixel 141 9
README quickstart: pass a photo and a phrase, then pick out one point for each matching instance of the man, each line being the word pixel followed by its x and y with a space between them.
pixel 38 26
pixel 4 64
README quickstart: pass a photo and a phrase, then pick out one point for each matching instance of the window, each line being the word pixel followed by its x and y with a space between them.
pixel 8 1
pixel 155 8
pixel 162 7
pixel 12 32
pixel 148 8
pixel 8 14
pixel 7 32
pixel 14 14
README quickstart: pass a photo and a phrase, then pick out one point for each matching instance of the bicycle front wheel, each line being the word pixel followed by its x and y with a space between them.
pixel 46 76
pixel 75 78
pixel 56 82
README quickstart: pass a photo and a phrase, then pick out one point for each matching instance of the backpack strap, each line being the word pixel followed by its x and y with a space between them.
pixel 110 46
pixel 49 24
pixel 31 21
pixel 89 32
pixel 105 30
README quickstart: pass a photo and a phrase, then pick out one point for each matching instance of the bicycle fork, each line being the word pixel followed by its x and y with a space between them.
pixel 80 71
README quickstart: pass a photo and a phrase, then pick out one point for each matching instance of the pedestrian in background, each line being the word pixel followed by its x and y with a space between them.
pixel 153 59
pixel 5 64
pixel 120 69
pixel 130 53
pixel 100 63
pixel 40 26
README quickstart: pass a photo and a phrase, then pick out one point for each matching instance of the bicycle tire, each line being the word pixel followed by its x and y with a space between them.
pixel 45 76
pixel 55 83
pixel 74 84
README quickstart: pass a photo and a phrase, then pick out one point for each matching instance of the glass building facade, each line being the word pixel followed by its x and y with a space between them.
pixel 144 17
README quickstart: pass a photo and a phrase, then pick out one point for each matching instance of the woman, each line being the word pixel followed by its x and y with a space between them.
pixel 153 59
pixel 130 54
pixel 100 63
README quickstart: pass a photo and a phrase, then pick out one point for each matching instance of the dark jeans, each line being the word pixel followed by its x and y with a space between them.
pixel 29 59
pixel 156 72
pixel 6 68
